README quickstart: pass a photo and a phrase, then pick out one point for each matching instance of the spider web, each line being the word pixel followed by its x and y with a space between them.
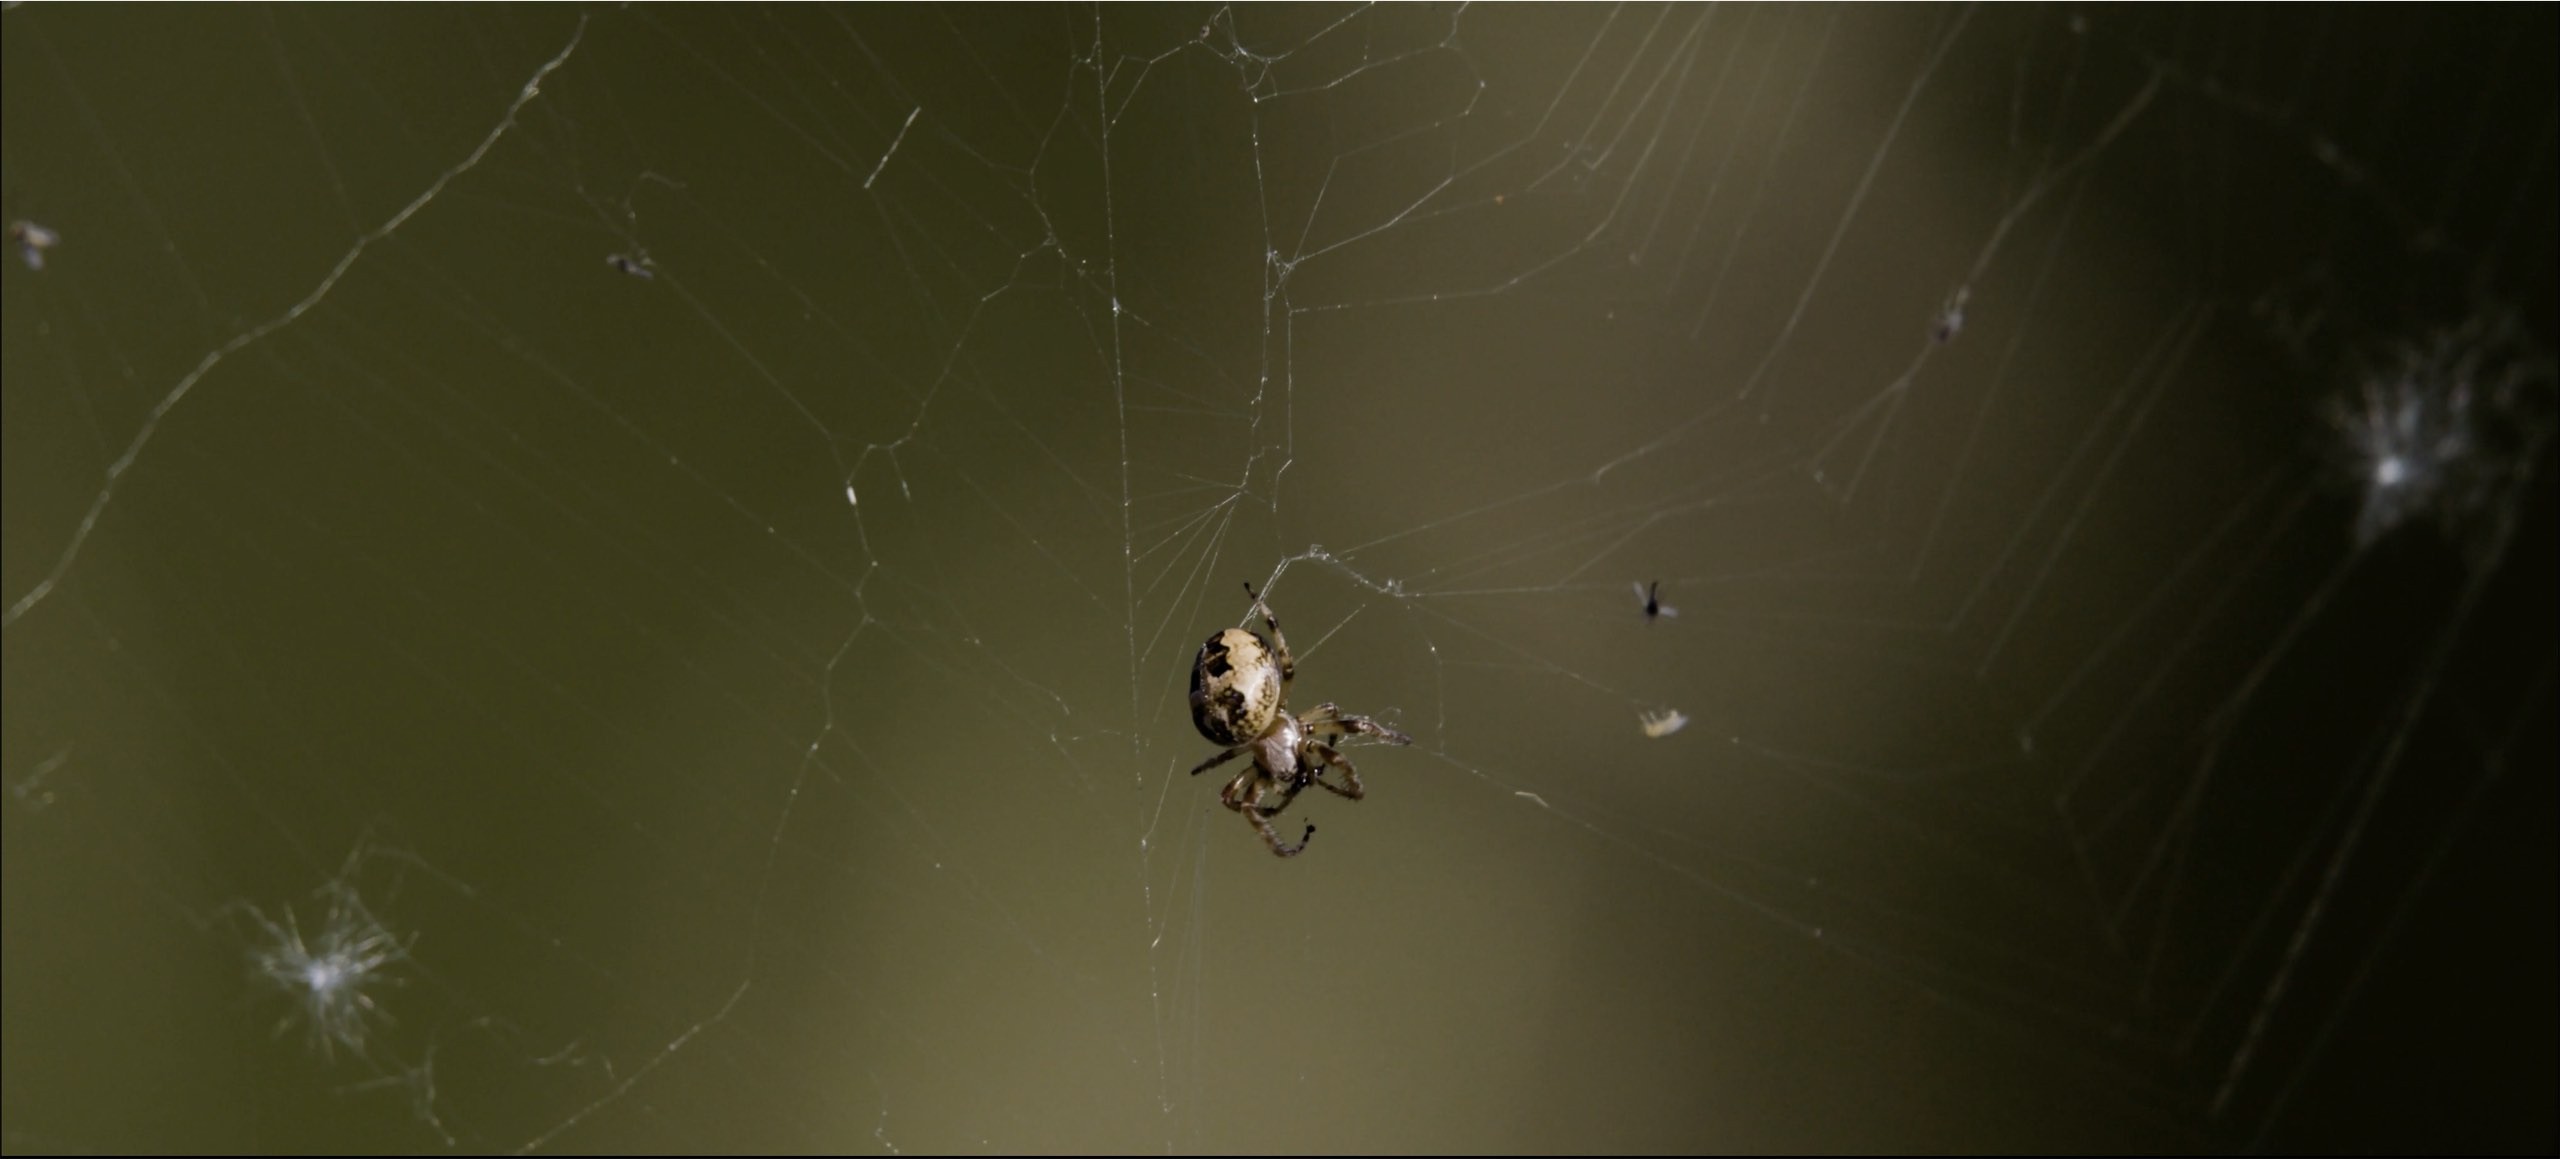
pixel 627 579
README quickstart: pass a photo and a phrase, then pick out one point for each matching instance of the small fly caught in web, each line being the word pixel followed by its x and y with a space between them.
pixel 1650 595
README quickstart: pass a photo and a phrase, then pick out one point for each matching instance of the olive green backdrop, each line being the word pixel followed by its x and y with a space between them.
pixel 624 578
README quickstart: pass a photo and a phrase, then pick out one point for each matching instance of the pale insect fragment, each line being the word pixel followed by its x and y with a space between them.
pixel 32 240
pixel 1663 723
pixel 1950 318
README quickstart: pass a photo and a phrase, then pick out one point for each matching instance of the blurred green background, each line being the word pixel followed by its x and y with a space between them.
pixel 624 578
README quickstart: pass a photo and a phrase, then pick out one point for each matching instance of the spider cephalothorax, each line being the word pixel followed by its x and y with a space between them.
pixel 1240 699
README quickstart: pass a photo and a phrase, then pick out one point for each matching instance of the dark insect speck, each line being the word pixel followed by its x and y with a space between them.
pixel 1654 608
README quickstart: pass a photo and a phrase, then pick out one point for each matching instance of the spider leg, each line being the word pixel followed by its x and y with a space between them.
pixel 1219 759
pixel 1289 790
pixel 1316 754
pixel 1251 807
pixel 1279 643
pixel 1232 794
pixel 1325 721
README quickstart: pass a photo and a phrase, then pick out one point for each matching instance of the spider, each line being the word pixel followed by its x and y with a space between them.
pixel 1239 698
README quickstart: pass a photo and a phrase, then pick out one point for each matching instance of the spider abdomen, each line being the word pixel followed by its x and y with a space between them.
pixel 1235 688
